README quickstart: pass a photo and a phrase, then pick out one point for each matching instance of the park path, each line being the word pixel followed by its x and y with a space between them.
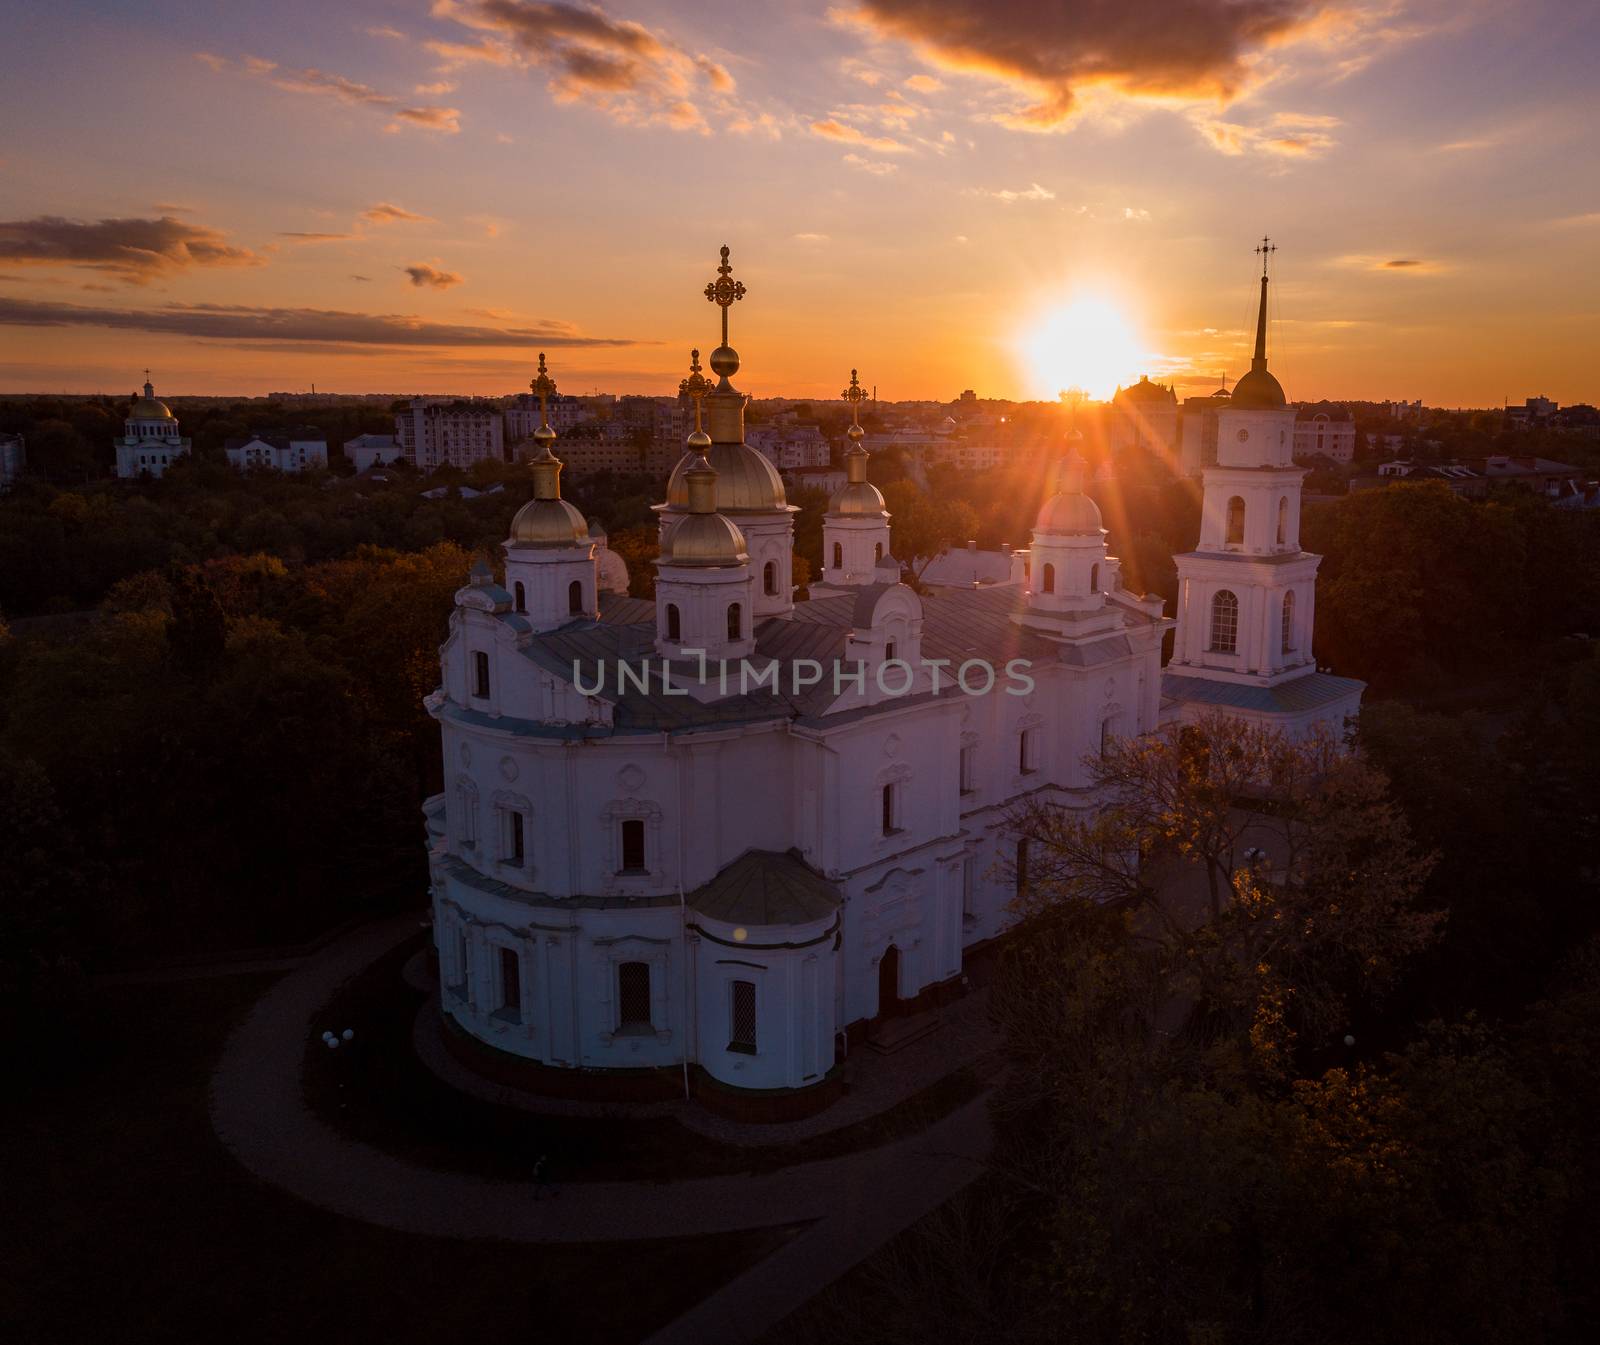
pixel 854 1203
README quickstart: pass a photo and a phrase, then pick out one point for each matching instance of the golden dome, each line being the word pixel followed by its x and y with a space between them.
pixel 148 408
pixel 746 481
pixel 707 539
pixel 858 498
pixel 1069 510
pixel 549 523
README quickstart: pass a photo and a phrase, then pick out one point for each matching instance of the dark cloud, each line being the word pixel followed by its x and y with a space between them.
pixel 367 278
pixel 1051 52
pixel 1401 263
pixel 240 322
pixel 424 276
pixel 134 250
pixel 630 73
pixel 314 238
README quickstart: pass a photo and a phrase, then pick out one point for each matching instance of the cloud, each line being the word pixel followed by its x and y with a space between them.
pixel 875 166
pixel 238 322
pixel 811 238
pixel 1007 196
pixel 386 212
pixel 1413 266
pixel 365 278
pixel 924 84
pixel 313 237
pixel 424 276
pixel 384 30
pixel 1290 134
pixel 135 251
pixel 437 87
pixel 319 83
pixel 832 129
pixel 630 73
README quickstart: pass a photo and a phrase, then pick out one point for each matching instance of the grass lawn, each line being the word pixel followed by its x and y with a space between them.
pixel 126 1220
pixel 380 1093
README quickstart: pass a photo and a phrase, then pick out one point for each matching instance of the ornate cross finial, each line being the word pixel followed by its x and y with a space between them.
pixel 147 375
pixel 724 291
pixel 1265 248
pixel 855 394
pixel 694 387
pixel 544 386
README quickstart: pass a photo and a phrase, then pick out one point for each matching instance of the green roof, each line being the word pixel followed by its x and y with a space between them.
pixel 764 887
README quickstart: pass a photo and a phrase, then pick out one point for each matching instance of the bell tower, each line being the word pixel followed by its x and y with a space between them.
pixel 1246 593
pixel 855 530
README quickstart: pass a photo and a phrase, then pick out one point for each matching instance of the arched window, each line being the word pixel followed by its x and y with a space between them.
pixel 1283 519
pixel 674 622
pixel 877 551
pixel 575 597
pixel 1235 535
pixel 1094 578
pixel 480 674
pixel 769 578
pixel 522 597
pixel 1288 622
pixel 1224 622
pixel 735 622
pixel 838 556
pixel 1048 583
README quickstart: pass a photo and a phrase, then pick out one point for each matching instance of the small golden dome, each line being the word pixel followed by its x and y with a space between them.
pixel 856 499
pixel 746 481
pixel 699 440
pixel 549 523
pixel 707 539
pixel 148 408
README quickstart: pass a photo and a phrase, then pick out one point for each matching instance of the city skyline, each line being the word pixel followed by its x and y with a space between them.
pixel 906 189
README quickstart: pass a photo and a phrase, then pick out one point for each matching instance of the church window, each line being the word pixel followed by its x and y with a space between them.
pixel 877 551
pixel 463 964
pixel 1022 864
pixel 467 808
pixel 1094 578
pixel 769 578
pixel 514 843
pixel 888 651
pixel 1224 622
pixel 1235 535
pixel 674 622
pixel 480 674
pixel 838 556
pixel 1283 519
pixel 742 1017
pixel 1048 583
pixel 511 983
pixel 969 770
pixel 1288 622
pixel 633 995
pixel 575 597
pixel 522 597
pixel 891 810
pixel 1027 755
pixel 735 621
pixel 633 845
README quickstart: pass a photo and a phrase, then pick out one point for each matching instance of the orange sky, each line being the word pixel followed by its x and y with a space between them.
pixel 399 197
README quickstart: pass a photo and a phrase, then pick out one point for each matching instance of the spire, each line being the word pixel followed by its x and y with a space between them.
pixel 149 389
pixel 725 291
pixel 855 394
pixel 694 388
pixel 1265 248
pixel 546 466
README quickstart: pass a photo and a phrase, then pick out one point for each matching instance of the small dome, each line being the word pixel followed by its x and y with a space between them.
pixel 1258 390
pixel 706 539
pixel 857 499
pixel 549 523
pixel 1069 514
pixel 746 481
pixel 148 408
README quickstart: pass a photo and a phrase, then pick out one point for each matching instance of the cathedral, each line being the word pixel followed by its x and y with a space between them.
pixel 725 830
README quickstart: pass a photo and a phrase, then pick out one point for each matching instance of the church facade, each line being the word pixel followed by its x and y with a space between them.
pixel 722 827
pixel 150 441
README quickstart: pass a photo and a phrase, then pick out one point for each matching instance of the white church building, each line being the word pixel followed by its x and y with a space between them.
pixel 722 828
pixel 150 440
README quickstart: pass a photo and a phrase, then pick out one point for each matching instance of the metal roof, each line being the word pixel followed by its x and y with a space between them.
pixel 763 887
pixel 1311 692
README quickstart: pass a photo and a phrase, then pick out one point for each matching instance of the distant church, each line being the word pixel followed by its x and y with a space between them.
pixel 791 823
pixel 150 440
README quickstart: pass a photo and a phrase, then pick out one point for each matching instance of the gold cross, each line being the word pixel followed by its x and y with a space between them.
pixel 724 291
pixel 545 387
pixel 855 394
pixel 1266 248
pixel 694 387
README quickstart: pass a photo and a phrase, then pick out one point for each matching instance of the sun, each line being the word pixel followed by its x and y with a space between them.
pixel 1087 343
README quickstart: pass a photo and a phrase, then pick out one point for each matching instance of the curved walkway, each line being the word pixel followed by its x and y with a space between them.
pixel 860 1200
